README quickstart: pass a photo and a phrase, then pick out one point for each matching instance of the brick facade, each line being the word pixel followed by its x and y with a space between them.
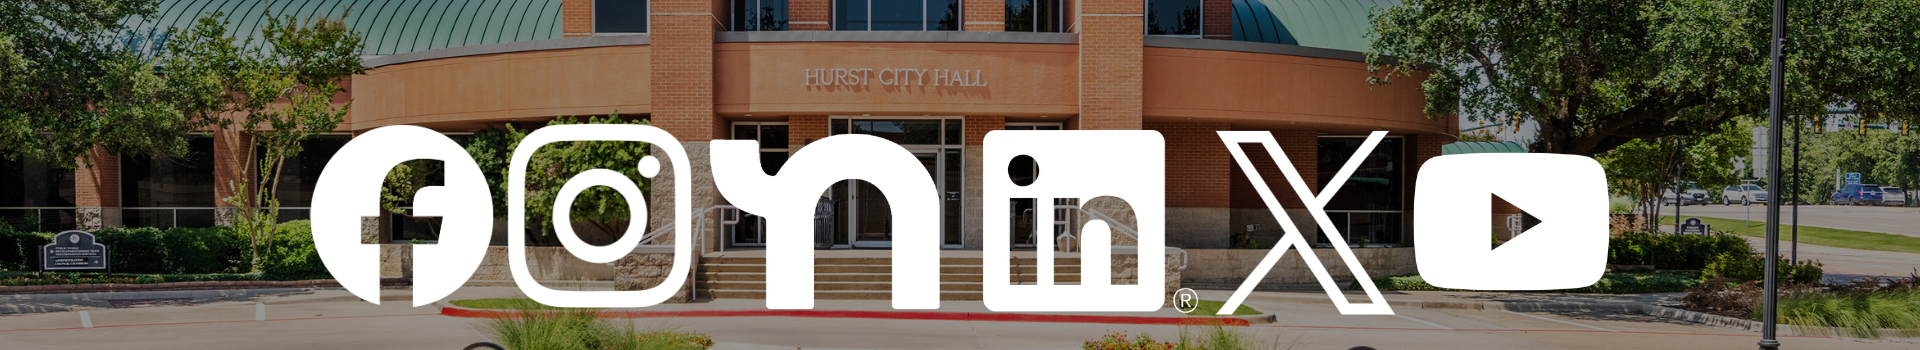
pixel 1301 147
pixel 98 185
pixel 805 129
pixel 809 15
pixel 682 64
pixel 1110 65
pixel 1216 19
pixel 978 126
pixel 1197 164
pixel 232 162
pixel 984 16
pixel 576 18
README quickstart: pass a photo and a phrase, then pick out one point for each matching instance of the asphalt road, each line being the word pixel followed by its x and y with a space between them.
pixel 1309 324
pixel 1895 220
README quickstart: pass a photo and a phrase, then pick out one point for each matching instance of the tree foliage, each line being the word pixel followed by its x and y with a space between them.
pixel 68 83
pixel 279 94
pixel 1641 169
pixel 1881 157
pixel 1598 74
pixel 551 166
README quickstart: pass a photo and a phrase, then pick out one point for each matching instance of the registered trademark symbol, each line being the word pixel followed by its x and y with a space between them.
pixel 1186 300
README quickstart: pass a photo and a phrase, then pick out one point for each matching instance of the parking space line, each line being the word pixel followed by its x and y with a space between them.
pixel 1435 325
pixel 1560 321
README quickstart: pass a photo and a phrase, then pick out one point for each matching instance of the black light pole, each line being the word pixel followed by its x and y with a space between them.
pixel 1767 341
pixel 1680 187
pixel 1795 190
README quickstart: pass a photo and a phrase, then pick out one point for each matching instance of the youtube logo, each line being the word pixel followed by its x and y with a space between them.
pixel 1453 200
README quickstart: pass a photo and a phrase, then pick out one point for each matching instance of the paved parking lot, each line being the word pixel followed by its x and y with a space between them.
pixel 334 323
pixel 1895 220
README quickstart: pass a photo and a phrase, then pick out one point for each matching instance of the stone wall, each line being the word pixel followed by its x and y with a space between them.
pixel 648 266
pixel 1227 268
pixel 1125 262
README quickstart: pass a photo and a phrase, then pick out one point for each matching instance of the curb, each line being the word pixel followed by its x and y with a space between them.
pixel 181 286
pixel 1650 310
pixel 42 303
pixel 448 309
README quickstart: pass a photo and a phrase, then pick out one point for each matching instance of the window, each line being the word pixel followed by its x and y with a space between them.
pixel 169 192
pixel 896 15
pixel 745 228
pixel 35 196
pixel 1043 16
pixel 299 173
pixel 759 15
pixel 1370 205
pixel 619 16
pixel 1173 17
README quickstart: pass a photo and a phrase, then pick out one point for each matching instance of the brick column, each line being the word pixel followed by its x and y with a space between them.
pixel 805 129
pixel 809 15
pixel 1111 34
pixel 682 83
pixel 1302 148
pixel 983 16
pixel 96 190
pixel 576 18
pixel 1425 147
pixel 232 164
pixel 1216 19
pixel 1198 189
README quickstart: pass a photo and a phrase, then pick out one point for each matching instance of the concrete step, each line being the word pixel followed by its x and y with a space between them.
pixel 882 269
pixel 840 286
pixel 840 295
pixel 876 261
pixel 871 277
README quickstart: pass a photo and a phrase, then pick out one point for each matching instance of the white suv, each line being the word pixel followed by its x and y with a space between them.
pixel 1746 194
pixel 1893 196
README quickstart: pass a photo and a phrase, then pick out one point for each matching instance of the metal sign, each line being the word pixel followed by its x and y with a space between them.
pixel 73 250
pixel 1693 226
pixel 1853 178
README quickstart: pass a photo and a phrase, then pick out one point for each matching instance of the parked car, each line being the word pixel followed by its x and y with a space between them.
pixel 1858 194
pixel 1893 196
pixel 1746 194
pixel 1694 195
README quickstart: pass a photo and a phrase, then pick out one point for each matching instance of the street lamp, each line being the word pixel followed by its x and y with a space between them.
pixel 1767 341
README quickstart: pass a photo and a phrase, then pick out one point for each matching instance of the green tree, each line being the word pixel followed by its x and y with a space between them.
pixel 551 166
pixel 1598 74
pixel 279 92
pixel 1641 169
pixel 69 83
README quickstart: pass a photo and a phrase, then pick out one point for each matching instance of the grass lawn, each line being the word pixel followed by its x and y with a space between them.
pixel 1209 308
pixel 1820 235
pixel 505 304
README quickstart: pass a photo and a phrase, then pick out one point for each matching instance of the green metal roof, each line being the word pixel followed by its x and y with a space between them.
pixel 389 26
pixel 1482 147
pixel 1328 24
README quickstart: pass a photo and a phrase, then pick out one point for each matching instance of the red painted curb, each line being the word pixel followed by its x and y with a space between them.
pixel 889 315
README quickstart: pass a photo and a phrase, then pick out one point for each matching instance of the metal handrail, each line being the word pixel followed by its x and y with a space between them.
pixel 1111 222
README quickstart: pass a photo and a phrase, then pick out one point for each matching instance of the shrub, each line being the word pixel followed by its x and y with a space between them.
pixel 20 251
pixel 1210 336
pixel 294 254
pixel 1672 252
pixel 133 250
pixel 1860 315
pixel 202 250
pixel 1751 267
pixel 1120 341
pixel 584 329
pixel 1610 283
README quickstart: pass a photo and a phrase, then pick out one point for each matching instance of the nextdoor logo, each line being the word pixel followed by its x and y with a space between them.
pixel 1451 227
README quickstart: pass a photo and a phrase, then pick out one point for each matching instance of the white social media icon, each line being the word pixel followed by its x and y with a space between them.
pixel 1453 210
pixel 349 189
pixel 787 201
pixel 682 220
pixel 1078 164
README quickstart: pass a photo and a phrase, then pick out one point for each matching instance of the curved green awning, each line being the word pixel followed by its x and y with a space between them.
pixel 1328 24
pixel 389 26
pixel 1482 147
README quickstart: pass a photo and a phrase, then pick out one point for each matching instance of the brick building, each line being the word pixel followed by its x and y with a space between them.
pixel 934 76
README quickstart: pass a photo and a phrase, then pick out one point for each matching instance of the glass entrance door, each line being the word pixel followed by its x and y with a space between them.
pixel 871 220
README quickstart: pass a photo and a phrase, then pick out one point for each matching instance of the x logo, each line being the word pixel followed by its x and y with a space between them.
pixel 1293 238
